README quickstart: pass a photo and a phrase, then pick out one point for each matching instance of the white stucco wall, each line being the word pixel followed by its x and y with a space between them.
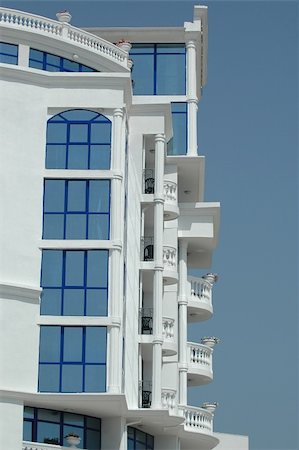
pixel 232 442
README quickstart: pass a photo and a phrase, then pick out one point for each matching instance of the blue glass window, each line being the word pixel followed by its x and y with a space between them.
pixel 76 209
pixel 159 69
pixel 8 53
pixel 72 359
pixel 75 283
pixel 178 144
pixel 78 139
pixel 138 440
pixel 53 63
pixel 50 427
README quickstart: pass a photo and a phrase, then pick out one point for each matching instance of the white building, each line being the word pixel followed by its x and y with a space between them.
pixel 103 191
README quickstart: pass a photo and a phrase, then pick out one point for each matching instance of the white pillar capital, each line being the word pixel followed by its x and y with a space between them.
pixel 118 112
pixel 160 137
pixel 190 44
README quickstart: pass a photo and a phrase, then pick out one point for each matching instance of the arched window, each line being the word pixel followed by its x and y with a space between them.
pixel 78 139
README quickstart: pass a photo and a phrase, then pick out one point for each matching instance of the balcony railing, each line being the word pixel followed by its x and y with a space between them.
pixel 148 181
pixel 168 398
pixel 146 320
pixel 168 329
pixel 200 290
pixel 170 192
pixel 38 446
pixel 147 248
pixel 30 22
pixel 145 394
pixel 197 419
pixel 170 187
pixel 169 258
pixel 200 355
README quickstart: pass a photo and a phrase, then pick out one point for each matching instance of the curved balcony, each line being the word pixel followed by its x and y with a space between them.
pixel 171 210
pixel 169 346
pixel 38 446
pixel 170 274
pixel 197 420
pixel 200 364
pixel 199 292
pixel 63 33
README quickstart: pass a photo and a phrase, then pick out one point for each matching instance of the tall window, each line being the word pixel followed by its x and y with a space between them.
pixel 178 144
pixel 78 139
pixel 138 440
pixel 50 427
pixel 8 53
pixel 159 69
pixel 74 282
pixel 76 209
pixel 72 359
pixel 53 63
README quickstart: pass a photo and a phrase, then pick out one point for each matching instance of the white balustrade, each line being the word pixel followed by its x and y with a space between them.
pixel 199 355
pixel 200 290
pixel 169 258
pixel 170 192
pixel 197 419
pixel 168 398
pixel 37 446
pixel 17 19
pixel 168 329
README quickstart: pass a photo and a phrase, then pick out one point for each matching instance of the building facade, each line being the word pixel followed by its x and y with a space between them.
pixel 104 213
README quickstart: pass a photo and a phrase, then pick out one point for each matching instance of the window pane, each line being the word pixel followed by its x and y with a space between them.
pixel 71 429
pixel 75 226
pixel 150 441
pixel 56 133
pixel 51 302
pixel 143 74
pixel 53 59
pixel 87 69
pixel 49 377
pixel 27 431
pixel 54 196
pixel 98 226
pixel 171 48
pixel 76 200
pixel 73 419
pixel 55 156
pixel 51 68
pixel 53 226
pixel 78 157
pixel 73 302
pixel 74 268
pixel 92 422
pixel 72 345
pixel 140 436
pixel 47 432
pixel 49 415
pixel 36 54
pixel 70 65
pixel 79 114
pixel 95 378
pixel 93 439
pixel 36 65
pixel 7 59
pixel 131 445
pixel 51 268
pixel 49 344
pixel 99 157
pixel 72 378
pixel 100 133
pixel 99 195
pixel 170 75
pixel 10 49
pixel 95 351
pixel 28 412
pixel 78 132
pixel 142 48
pixel 179 134
pixel 97 265
pixel 96 302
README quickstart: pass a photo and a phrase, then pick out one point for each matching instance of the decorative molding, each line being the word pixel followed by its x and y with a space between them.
pixel 20 292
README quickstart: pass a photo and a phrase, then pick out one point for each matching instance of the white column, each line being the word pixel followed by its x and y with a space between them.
pixel 23 55
pixel 158 274
pixel 115 292
pixel 183 366
pixel 191 98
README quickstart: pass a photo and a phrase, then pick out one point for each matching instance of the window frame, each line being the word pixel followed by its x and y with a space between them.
pixel 62 60
pixel 16 47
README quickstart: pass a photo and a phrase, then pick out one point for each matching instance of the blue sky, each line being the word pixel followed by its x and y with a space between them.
pixel 248 120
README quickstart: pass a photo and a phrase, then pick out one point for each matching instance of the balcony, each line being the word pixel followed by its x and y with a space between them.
pixel 199 292
pixel 171 210
pixel 64 34
pixel 37 446
pixel 147 256
pixel 200 367
pixel 197 420
pixel 168 399
pixel 146 328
